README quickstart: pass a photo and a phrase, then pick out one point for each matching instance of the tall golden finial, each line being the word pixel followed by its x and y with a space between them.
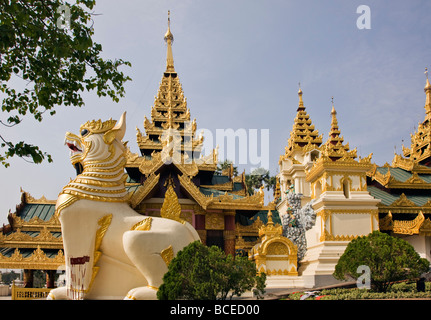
pixel 334 123
pixel 301 103
pixel 169 38
pixel 427 90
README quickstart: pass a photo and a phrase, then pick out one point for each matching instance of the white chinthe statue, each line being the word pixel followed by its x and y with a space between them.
pixel 111 251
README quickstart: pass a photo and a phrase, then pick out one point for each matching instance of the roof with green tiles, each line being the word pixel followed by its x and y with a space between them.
pixel 387 198
pixel 402 175
pixel 27 252
pixel 42 211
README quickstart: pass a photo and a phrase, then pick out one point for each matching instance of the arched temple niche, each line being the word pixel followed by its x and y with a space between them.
pixel 275 254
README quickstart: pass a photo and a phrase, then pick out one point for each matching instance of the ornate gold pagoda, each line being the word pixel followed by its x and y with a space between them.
pixel 169 165
pixel 334 148
pixel 302 149
pixel 169 149
pixel 404 185
pixel 32 239
pixel 303 137
pixel 169 113
pixel 420 149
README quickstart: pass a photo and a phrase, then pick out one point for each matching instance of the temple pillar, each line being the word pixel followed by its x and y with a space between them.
pixel 50 278
pixel 200 227
pixel 229 233
pixel 229 242
pixel 28 278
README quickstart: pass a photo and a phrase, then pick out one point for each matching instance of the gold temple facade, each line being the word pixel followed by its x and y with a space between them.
pixel 351 195
pixel 216 204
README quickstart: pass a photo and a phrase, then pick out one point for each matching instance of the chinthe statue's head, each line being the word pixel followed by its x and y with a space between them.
pixel 98 142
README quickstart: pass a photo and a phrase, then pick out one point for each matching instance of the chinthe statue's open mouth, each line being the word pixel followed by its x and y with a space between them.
pixel 73 147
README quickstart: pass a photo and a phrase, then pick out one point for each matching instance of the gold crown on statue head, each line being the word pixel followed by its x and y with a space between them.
pixel 97 126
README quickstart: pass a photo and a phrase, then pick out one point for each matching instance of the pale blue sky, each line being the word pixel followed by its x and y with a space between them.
pixel 240 63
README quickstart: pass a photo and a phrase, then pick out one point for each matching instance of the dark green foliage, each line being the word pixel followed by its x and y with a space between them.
pixel 199 272
pixel 43 64
pixel 257 178
pixel 225 165
pixel 389 259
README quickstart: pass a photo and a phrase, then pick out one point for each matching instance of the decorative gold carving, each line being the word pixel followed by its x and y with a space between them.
pixel 167 255
pixel 144 190
pixel 277 248
pixel 38 260
pixel 97 126
pixel 386 223
pixel 143 225
pixel 150 166
pixel 326 236
pixel 189 169
pixel 77 195
pixel 28 198
pixel 402 201
pixel 194 191
pixel 19 239
pixel 270 230
pixel 409 165
pixel 343 166
pixel 171 208
pixel 71 199
pixel 214 221
pixel 408 227
pixel 104 224
pixel 255 201
pixel 425 228
pixel 36 224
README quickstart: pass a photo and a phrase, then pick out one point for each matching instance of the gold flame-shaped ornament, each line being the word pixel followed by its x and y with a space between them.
pixel 171 208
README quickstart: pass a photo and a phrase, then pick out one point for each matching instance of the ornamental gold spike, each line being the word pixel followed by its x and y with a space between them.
pixel 334 147
pixel 427 90
pixel 171 208
pixel 169 38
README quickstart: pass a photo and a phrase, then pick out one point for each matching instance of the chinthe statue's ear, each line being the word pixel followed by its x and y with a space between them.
pixel 116 132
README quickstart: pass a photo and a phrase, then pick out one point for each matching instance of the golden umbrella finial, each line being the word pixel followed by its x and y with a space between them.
pixel 169 38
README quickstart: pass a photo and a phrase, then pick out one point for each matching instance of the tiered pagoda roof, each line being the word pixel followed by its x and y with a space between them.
pixel 32 239
pixel 420 149
pixel 169 112
pixel 169 147
pixel 335 155
pixel 403 186
pixel 303 137
pixel 334 148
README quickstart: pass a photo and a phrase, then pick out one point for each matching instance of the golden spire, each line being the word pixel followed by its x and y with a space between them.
pixel 303 137
pixel 420 149
pixel 334 147
pixel 335 132
pixel 169 112
pixel 169 38
pixel 301 103
pixel 427 90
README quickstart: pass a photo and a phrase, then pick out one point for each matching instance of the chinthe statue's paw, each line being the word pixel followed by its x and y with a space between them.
pixel 142 293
